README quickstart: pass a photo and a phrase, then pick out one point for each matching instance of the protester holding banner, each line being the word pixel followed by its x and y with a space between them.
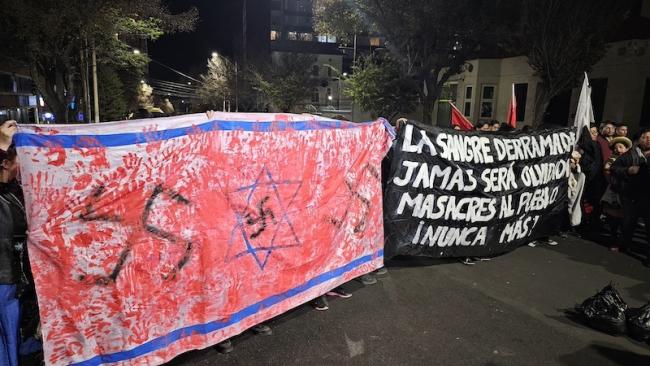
pixel 13 233
pixel 483 126
pixel 631 179
pixel 595 183
pixel 495 125
pixel 8 129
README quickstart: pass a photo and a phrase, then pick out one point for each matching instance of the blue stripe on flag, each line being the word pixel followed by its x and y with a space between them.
pixel 122 139
pixel 166 340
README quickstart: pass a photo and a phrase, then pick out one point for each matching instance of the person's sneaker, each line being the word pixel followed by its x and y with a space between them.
pixel 320 303
pixel 262 329
pixel 467 261
pixel 381 271
pixel 533 243
pixel 339 292
pixel 368 279
pixel 224 347
pixel 551 242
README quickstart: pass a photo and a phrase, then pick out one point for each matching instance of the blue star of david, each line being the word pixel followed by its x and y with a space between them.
pixel 262 253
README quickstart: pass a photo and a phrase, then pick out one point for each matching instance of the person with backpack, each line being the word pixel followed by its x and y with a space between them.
pixel 630 175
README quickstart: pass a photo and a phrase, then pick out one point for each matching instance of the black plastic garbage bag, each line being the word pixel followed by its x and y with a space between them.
pixel 605 311
pixel 638 323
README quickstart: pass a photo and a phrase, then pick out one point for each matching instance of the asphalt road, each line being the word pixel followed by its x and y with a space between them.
pixel 509 311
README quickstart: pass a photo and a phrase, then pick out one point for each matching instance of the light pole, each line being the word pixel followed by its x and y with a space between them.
pixel 339 85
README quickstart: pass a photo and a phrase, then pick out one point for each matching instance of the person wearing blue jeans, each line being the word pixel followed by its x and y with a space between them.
pixel 13 227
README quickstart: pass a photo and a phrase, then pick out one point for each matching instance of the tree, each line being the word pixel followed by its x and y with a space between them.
pixel 219 83
pixel 432 39
pixel 288 81
pixel 112 101
pixel 49 36
pixel 563 39
pixel 378 86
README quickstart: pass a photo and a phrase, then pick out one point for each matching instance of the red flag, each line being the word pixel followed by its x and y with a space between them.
pixel 458 120
pixel 512 109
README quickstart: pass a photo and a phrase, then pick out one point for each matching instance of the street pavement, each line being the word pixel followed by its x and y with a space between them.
pixel 508 311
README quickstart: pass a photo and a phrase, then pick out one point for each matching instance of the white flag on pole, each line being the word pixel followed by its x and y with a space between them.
pixel 585 111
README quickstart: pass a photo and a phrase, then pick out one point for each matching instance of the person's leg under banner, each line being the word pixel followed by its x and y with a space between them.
pixel 9 325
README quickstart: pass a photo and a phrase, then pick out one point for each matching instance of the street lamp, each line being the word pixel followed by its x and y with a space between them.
pixel 215 55
pixel 329 98
pixel 136 51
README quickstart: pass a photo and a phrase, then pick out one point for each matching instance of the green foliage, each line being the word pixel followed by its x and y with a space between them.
pixel 112 100
pixel 219 83
pixel 563 39
pixel 287 82
pixel 379 86
pixel 432 39
pixel 48 35
pixel 337 18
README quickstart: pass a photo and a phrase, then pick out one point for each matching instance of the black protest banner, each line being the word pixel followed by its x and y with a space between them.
pixel 461 194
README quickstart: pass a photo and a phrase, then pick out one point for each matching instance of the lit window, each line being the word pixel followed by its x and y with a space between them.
pixel 375 42
pixel 275 35
pixel 305 37
pixel 326 38
pixel 292 36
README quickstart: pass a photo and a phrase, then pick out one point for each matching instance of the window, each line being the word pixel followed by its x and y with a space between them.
pixel 467 109
pixel 275 35
pixel 6 83
pixel 326 38
pixel 24 85
pixel 521 93
pixel 314 70
pixel 315 96
pixel 292 36
pixel 375 41
pixel 487 101
pixel 305 37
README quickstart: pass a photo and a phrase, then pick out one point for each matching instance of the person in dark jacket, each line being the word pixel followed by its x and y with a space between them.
pixel 13 231
pixel 20 317
pixel 595 182
pixel 631 178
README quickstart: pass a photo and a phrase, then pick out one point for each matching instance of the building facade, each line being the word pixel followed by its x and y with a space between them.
pixel 620 84
pixel 17 99
pixel 292 32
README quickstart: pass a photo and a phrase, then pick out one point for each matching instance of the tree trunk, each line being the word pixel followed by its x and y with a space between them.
pixel 542 100
pixel 50 95
pixel 427 102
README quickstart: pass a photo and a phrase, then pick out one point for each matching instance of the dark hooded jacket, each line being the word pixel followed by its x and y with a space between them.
pixel 13 228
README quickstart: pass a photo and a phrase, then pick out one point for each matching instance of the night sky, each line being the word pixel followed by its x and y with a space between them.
pixel 219 29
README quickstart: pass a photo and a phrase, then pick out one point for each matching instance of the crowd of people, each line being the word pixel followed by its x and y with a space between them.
pixel 613 166
pixel 617 179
